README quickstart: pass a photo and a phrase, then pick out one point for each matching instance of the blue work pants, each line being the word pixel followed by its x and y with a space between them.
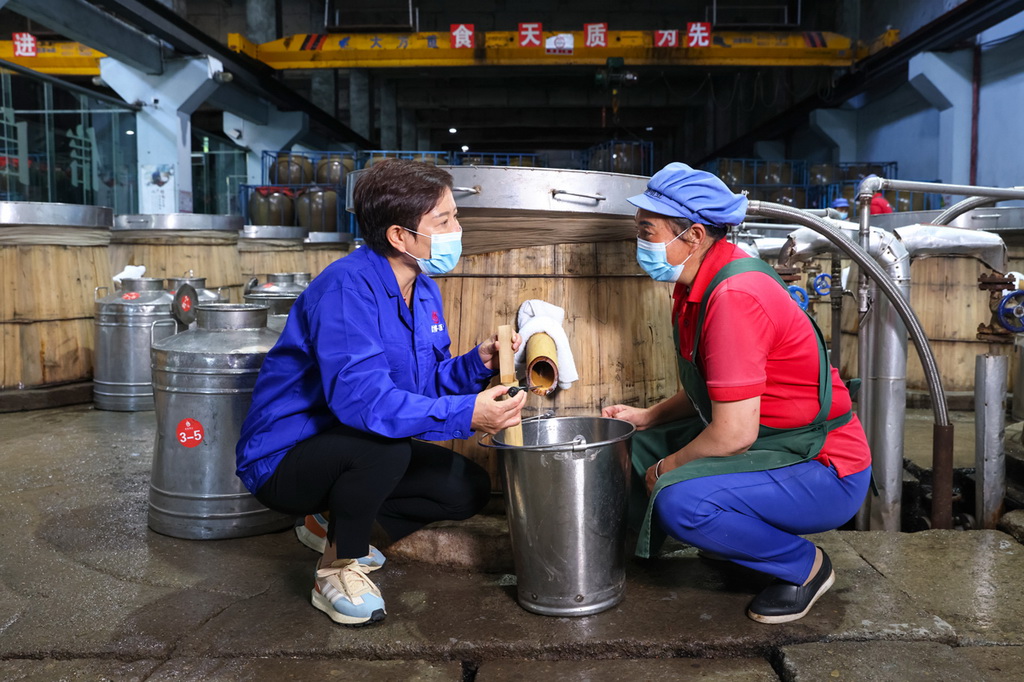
pixel 755 519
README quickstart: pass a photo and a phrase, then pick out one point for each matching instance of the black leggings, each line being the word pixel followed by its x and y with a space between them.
pixel 360 477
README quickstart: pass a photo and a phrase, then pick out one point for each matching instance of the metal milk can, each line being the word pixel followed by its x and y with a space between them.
pixel 121 375
pixel 278 293
pixel 203 380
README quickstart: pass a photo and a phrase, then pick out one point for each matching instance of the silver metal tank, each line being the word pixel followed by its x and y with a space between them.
pixel 302 279
pixel 124 323
pixel 278 293
pixel 278 308
pixel 277 284
pixel 203 380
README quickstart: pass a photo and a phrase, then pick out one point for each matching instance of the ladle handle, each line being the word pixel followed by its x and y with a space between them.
pixel 507 376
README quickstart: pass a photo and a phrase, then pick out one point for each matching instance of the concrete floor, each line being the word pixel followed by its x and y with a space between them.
pixel 88 592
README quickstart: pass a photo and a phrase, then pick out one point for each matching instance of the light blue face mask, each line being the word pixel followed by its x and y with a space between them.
pixel 445 250
pixel 843 215
pixel 653 258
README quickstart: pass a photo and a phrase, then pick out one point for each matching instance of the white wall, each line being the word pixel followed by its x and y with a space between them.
pixel 900 127
pixel 1001 114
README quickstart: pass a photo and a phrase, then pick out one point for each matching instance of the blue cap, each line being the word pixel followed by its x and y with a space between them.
pixel 683 192
pixel 840 203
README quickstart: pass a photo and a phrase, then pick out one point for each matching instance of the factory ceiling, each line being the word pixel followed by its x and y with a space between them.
pixel 502 95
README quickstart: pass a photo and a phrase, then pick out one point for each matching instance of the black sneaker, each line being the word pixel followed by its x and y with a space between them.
pixel 782 602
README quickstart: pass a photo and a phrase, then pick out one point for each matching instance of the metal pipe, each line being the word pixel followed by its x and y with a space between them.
pixel 876 184
pixel 60 83
pixel 770 247
pixel 865 346
pixel 862 259
pixel 900 305
pixel 942 476
pixel 989 430
pixel 882 402
pixel 885 377
pixel 923 241
pixel 961 207
pixel 836 294
pixel 975 106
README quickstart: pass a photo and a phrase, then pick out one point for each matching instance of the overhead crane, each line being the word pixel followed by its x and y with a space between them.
pixel 499 48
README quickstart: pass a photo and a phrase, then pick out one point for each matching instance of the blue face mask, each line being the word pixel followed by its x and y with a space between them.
pixel 445 250
pixel 843 215
pixel 653 258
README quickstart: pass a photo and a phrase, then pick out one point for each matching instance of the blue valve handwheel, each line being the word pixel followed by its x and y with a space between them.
pixel 799 295
pixel 1010 312
pixel 823 284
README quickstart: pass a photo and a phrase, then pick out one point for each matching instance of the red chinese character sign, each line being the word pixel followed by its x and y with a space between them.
pixel 596 35
pixel 666 38
pixel 529 34
pixel 189 433
pixel 462 36
pixel 698 34
pixel 24 44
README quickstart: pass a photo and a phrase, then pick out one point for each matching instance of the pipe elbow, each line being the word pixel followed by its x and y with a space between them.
pixel 869 187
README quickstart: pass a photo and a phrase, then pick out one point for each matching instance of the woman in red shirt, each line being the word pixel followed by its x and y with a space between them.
pixel 760 446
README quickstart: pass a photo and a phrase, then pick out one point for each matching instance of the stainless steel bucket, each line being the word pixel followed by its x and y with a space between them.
pixel 203 380
pixel 566 493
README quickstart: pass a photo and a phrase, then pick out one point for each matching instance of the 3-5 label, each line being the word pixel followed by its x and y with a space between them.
pixel 190 433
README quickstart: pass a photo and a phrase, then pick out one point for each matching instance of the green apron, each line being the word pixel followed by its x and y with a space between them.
pixel 773 449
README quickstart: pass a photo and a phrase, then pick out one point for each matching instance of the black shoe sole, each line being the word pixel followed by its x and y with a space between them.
pixel 376 617
pixel 788 617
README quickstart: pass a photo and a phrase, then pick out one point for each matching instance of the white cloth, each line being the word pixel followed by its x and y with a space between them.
pixel 539 316
pixel 130 272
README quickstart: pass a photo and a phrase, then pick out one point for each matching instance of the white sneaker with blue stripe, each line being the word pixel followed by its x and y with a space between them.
pixel 347 595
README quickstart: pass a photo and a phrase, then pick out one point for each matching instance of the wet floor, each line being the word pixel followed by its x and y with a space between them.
pixel 87 591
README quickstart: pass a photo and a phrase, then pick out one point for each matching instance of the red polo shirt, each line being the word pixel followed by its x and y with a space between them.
pixel 879 204
pixel 756 341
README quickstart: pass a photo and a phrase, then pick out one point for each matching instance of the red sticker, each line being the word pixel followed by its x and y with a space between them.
pixel 190 433
pixel 130 295
pixel 186 303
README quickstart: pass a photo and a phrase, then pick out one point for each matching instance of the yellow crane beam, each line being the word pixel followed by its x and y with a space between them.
pixel 500 48
pixel 496 48
pixel 56 58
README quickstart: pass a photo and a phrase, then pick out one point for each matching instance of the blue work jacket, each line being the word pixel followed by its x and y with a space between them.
pixel 353 352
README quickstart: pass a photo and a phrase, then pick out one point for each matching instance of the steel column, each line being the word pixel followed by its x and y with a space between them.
pixel 990 372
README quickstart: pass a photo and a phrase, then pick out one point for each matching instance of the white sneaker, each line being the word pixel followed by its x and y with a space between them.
pixel 347 595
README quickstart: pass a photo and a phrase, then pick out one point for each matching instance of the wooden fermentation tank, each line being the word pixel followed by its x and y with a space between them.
pixel 52 257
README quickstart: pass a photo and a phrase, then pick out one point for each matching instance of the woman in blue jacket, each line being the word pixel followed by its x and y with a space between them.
pixel 361 376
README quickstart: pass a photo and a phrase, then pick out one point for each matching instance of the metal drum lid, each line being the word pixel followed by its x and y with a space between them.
pixel 518 188
pixel 62 215
pixel 273 232
pixel 329 238
pixel 179 221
